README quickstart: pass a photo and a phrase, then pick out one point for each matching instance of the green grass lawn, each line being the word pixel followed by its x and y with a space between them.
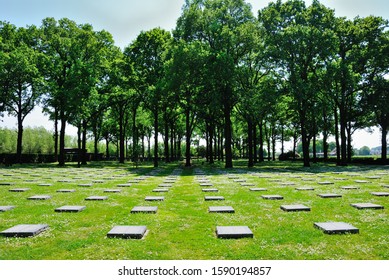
pixel 182 227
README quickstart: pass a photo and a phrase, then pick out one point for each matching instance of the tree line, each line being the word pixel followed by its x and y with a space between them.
pixel 223 74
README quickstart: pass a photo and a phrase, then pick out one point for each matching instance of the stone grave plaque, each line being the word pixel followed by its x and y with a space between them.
pixel 112 191
pixel 160 190
pixel 98 181
pixel 239 180
pixel 287 184
pixel 19 190
pixel 123 185
pixel 68 208
pixel 305 189
pixel 233 232
pixel 212 198
pixel 66 191
pixel 39 197
pixel 154 198
pixel 45 185
pixel 272 197
pixel 350 188
pixel 385 186
pixel 325 183
pixel 6 208
pixel 295 208
pixel 373 177
pixel 367 206
pixel 210 190
pixel 336 227
pixel 329 195
pixel 221 209
pixel 258 189
pixel 85 185
pixel 247 184
pixel 64 181
pixel 144 209
pixel 206 185
pixel 127 232
pixel 361 181
pixel 165 185
pixel 6 183
pixel 24 230
pixel 96 198
pixel 380 193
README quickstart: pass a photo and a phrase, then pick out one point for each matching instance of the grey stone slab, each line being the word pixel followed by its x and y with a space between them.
pixel 350 188
pixel 96 198
pixel 247 184
pixel 210 190
pixel 45 185
pixel 145 209
pixel 165 185
pixel 233 232
pixel 206 185
pixel 385 186
pixel 70 208
pixel 287 184
pixel 133 181
pixel 380 193
pixel 305 189
pixel 98 181
pixel 295 208
pixel 127 232
pixel 373 177
pixel 39 197
pixel 160 190
pixel 221 209
pixel 258 189
pixel 367 206
pixel 212 198
pixel 112 191
pixel 6 208
pixel 123 185
pixel 361 181
pixel 154 198
pixel 24 230
pixel 329 195
pixel 6 183
pixel 64 181
pixel 325 183
pixel 239 180
pixel 19 190
pixel 66 190
pixel 336 227
pixel 85 185
pixel 272 197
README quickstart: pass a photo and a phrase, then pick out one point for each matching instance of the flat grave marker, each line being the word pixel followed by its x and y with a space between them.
pixel 295 208
pixel 19 190
pixel 6 208
pixel 221 209
pixel 112 191
pixel 213 198
pixel 272 197
pixel 230 232
pixel 127 232
pixel 206 185
pixel 85 185
pixel 258 189
pixel 160 190
pixel 305 189
pixel 350 188
pixel 66 191
pixel 165 185
pixel 123 185
pixel 24 230
pixel 329 195
pixel 154 198
pixel 336 227
pixel 380 193
pixel 325 183
pixel 210 190
pixel 70 208
pixel 45 185
pixel 96 198
pixel 145 209
pixel 6 183
pixel 39 197
pixel 360 206
pixel 361 181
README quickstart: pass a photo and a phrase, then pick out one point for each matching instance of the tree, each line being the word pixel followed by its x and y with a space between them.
pixel 300 38
pixel 147 55
pixel 21 76
pixel 219 25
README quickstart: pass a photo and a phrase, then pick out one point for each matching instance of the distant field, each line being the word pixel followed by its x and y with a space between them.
pixel 183 228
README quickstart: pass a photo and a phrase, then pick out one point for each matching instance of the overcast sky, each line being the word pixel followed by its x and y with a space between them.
pixel 125 19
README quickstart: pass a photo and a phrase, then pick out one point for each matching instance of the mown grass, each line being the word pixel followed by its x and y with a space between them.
pixel 183 228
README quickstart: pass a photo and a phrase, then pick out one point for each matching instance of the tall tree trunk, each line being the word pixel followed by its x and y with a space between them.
pixel 19 145
pixel 255 144
pixel 156 137
pixel 228 127
pixel 171 142
pixel 187 138
pixel 55 134
pixel 79 147
pixel 84 128
pixel 261 157
pixel 166 140
pixel 349 140
pixel 107 148
pixel 304 139
pixel 314 149
pixel 121 136
pixel 337 136
pixel 384 144
pixel 250 142
pixel 135 152
pixel 210 135
pixel 325 135
pixel 96 142
pixel 61 158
